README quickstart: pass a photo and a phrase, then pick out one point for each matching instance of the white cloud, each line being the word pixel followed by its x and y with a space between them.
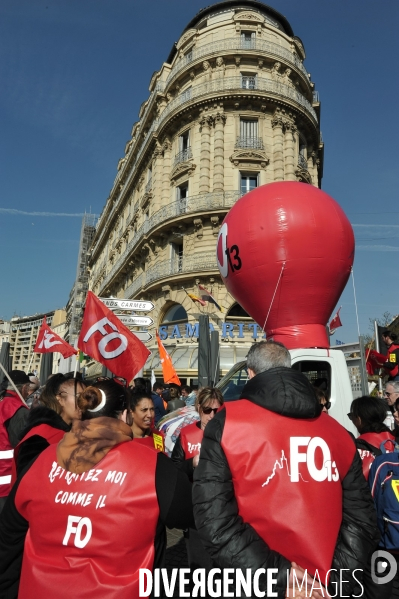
pixel 378 248
pixel 23 213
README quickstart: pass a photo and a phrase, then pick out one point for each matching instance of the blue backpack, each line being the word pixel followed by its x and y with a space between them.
pixel 384 484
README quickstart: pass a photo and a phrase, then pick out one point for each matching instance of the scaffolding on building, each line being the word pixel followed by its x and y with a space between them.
pixel 79 290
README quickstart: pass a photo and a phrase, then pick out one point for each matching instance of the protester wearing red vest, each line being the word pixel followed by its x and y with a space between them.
pixel 186 454
pixel 280 483
pixel 368 415
pixel 143 413
pixel 391 366
pixel 106 500
pixel 188 444
pixel 47 423
pixel 13 415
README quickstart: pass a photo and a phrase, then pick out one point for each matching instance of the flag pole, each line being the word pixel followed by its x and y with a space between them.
pixel 76 365
pixel 12 384
pixel 31 360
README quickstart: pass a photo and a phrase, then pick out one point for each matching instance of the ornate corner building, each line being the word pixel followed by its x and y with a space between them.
pixel 232 108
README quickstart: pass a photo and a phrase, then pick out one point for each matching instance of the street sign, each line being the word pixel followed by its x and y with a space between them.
pixel 142 335
pixel 138 321
pixel 122 304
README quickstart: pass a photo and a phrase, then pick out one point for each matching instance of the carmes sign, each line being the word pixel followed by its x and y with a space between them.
pixel 235 330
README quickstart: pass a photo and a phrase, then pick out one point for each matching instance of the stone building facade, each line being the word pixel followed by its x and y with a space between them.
pixel 233 107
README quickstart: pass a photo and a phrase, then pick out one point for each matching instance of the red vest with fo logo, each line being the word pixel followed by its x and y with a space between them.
pixel 89 534
pixel 287 477
pixel 191 439
pixel 10 404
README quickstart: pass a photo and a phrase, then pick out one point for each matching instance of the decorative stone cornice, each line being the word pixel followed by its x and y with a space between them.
pixel 248 17
pixel 219 117
pixel 215 225
pixel 186 168
pixel 197 222
pixel 247 158
pixel 188 35
pixel 206 120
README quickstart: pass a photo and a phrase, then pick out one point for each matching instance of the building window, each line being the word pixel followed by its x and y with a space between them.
pixel 248 137
pixel 177 257
pixel 182 196
pixel 248 81
pixel 175 313
pixel 248 40
pixel 186 95
pixel 302 161
pixel 248 182
pixel 189 56
pixel 184 151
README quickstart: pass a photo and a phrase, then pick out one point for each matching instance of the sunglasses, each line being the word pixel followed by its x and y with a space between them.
pixel 326 405
pixel 209 410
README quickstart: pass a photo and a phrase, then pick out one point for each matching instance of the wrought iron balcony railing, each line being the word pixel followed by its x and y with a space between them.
pixel 200 262
pixel 237 43
pixel 198 203
pixel 222 84
pixel 249 142
pixel 183 156
pixel 302 162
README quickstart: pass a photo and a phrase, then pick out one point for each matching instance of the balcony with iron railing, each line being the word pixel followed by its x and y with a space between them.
pixel 302 162
pixel 255 143
pixel 259 85
pixel 199 203
pixel 233 44
pixel 199 262
pixel 183 156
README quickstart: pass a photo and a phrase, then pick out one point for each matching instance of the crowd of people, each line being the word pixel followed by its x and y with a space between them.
pixel 269 482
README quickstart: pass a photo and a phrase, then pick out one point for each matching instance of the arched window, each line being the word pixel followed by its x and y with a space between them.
pixel 236 312
pixel 176 312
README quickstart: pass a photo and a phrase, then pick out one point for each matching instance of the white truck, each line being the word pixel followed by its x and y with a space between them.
pixel 345 378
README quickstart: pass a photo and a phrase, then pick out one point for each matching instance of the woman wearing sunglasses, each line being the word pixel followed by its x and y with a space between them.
pixel 368 415
pixel 186 456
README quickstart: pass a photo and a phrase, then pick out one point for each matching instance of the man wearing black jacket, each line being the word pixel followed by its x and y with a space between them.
pixel 280 484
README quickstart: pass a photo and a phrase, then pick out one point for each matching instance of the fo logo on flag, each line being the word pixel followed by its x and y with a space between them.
pixel 107 340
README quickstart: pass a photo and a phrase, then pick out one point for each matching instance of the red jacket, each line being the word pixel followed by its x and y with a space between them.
pixel 9 405
pixel 111 510
pixel 304 460
pixel 191 439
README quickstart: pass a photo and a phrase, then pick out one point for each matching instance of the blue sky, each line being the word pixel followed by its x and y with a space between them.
pixel 73 75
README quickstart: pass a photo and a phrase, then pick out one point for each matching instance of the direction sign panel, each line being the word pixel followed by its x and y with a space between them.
pixel 122 304
pixel 138 321
pixel 142 335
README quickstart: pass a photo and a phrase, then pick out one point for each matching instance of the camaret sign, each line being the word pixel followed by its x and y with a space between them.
pixel 232 107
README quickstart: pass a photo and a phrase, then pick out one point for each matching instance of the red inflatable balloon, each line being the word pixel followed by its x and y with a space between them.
pixel 292 242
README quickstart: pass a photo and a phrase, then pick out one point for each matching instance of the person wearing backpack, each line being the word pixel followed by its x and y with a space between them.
pixel 368 415
pixel 384 485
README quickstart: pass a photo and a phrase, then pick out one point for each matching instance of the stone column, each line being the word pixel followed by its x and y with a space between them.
pixel 165 197
pixel 278 153
pixel 205 156
pixel 218 150
pixel 157 178
pixel 290 165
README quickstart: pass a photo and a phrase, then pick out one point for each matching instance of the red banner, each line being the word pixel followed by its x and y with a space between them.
pixel 47 342
pixel 107 340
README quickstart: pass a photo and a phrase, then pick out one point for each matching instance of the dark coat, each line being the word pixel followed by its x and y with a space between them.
pixel 234 543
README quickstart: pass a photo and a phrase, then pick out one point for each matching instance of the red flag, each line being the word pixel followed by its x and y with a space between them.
pixel 107 340
pixel 47 342
pixel 335 323
pixel 374 361
pixel 169 372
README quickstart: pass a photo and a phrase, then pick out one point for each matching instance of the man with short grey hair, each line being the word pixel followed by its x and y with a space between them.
pixel 280 485
pixel 391 392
